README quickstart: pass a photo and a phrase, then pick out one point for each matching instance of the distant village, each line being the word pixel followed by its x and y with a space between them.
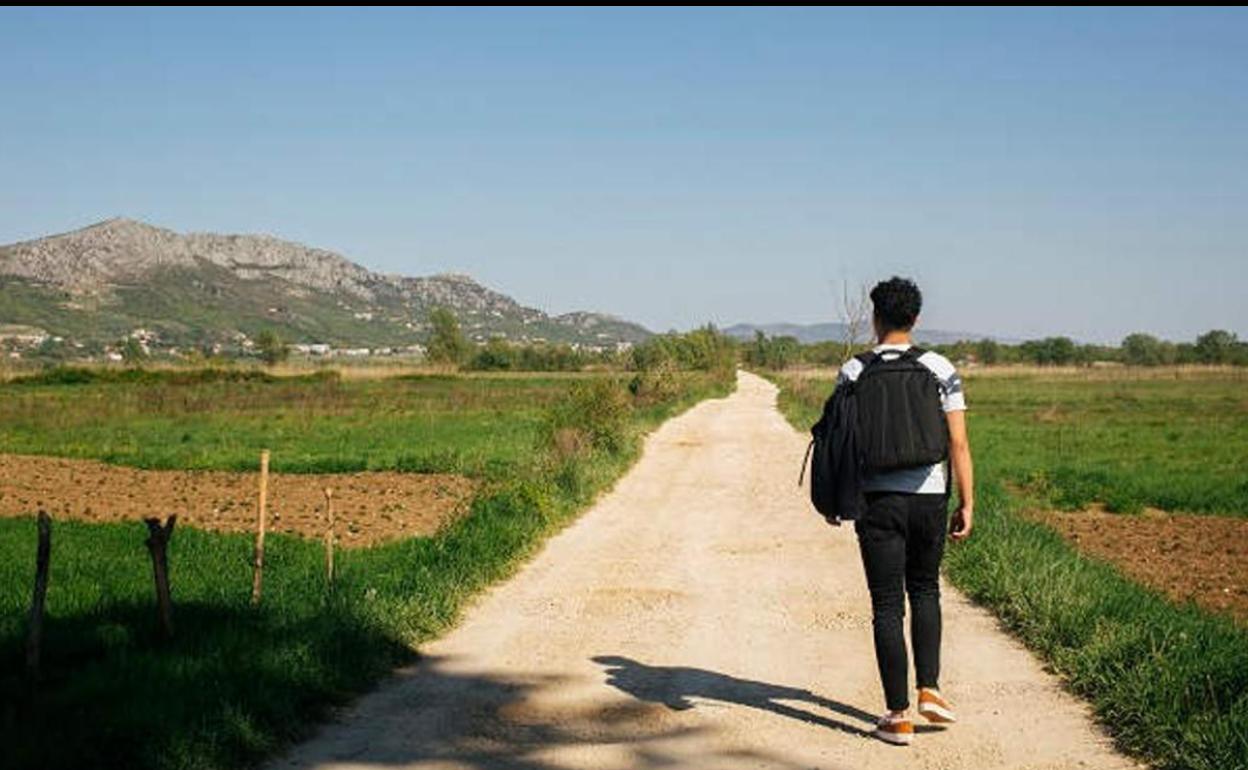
pixel 28 343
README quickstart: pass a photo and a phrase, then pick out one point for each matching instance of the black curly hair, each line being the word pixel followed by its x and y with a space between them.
pixel 897 303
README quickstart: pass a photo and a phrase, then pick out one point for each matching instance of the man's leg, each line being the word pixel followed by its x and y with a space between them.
pixel 924 548
pixel 882 542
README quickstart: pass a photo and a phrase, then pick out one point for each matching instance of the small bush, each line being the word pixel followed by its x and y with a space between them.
pixel 600 408
pixel 655 385
pixel 63 375
pixel 705 349
pixel 570 443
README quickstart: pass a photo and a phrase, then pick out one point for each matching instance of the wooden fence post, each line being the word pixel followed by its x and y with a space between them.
pixel 329 536
pixel 43 554
pixel 258 565
pixel 157 540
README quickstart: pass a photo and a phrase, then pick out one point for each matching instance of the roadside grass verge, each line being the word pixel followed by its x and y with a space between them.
pixel 238 683
pixel 1169 682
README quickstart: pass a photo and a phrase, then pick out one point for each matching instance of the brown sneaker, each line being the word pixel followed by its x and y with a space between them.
pixel 934 707
pixel 897 730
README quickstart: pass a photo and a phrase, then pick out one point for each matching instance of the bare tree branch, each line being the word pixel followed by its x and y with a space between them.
pixel 855 309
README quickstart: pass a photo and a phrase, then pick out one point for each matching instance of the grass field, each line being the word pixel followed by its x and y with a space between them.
pixel 238 682
pixel 1170 682
pixel 1130 440
pixel 311 424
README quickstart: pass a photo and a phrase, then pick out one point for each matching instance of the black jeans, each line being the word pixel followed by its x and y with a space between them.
pixel 902 539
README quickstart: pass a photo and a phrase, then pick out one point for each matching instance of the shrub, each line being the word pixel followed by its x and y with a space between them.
pixel 599 408
pixel 1217 346
pixel 495 356
pixel 655 385
pixel 447 344
pixel 1146 350
pixel 705 349
pixel 500 355
pixel 773 352
pixel 132 353
pixel 272 348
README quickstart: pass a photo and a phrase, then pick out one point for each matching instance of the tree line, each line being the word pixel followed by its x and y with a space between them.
pixel 1216 346
pixel 703 349
pixel 709 349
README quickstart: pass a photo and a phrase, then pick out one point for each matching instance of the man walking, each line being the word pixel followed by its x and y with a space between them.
pixel 901 535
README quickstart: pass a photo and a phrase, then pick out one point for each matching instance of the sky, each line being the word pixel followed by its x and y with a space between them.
pixel 1039 172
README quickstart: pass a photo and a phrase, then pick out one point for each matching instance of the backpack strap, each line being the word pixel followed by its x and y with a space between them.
pixel 805 460
pixel 866 358
pixel 912 353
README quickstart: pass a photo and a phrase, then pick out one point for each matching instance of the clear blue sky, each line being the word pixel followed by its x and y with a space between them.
pixel 1039 172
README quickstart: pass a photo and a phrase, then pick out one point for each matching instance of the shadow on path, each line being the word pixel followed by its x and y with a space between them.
pixel 430 714
pixel 675 686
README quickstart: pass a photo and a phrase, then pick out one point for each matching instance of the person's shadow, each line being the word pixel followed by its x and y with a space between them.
pixel 674 686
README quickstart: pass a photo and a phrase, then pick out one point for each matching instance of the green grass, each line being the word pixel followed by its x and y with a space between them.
pixel 233 684
pixel 465 424
pixel 237 683
pixel 1178 445
pixel 1169 682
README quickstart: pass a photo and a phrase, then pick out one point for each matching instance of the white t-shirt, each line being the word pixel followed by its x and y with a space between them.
pixel 929 479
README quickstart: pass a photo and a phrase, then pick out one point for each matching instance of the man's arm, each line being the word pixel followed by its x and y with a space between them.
pixel 963 473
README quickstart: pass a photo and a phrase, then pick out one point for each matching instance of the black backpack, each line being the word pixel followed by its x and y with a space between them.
pixel 900 422
pixel 888 419
pixel 835 466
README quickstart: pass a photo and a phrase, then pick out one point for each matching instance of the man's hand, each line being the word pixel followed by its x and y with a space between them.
pixel 963 472
pixel 961 522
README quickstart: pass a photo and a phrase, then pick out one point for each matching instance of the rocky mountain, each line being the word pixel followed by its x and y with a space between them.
pixel 102 282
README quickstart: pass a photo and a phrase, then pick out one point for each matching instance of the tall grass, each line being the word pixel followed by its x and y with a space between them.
pixel 1169 682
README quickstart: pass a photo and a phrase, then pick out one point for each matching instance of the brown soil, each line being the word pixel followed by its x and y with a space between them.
pixel 1188 557
pixel 368 507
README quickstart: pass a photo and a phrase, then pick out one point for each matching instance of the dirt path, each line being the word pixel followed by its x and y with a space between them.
pixel 700 616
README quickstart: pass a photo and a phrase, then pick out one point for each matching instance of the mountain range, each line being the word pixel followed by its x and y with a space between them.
pixel 835 331
pixel 109 280
pixel 123 278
